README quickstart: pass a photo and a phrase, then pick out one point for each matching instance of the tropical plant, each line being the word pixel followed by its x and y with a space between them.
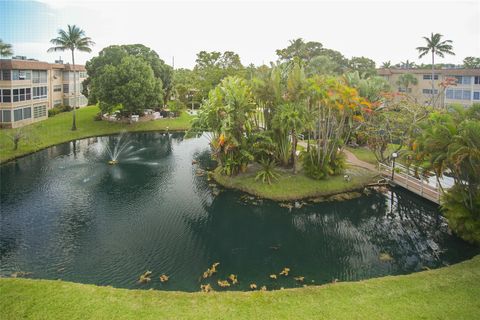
pixel 450 142
pixel 72 39
pixel 5 49
pixel 267 172
pixel 471 62
pixel 407 64
pixel 387 64
pixel 405 80
pixel 435 46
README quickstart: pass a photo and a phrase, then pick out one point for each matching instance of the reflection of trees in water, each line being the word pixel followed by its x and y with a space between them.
pixel 410 230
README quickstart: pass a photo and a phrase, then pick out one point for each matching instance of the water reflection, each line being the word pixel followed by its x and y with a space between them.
pixel 66 213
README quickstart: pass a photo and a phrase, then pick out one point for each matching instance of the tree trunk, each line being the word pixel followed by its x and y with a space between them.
pixel 294 151
pixel 74 125
pixel 433 78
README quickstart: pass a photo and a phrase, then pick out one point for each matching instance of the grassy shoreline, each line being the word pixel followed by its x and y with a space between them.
pixel 291 187
pixel 56 130
pixel 445 293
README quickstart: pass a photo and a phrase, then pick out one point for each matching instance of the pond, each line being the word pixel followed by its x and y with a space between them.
pixel 67 214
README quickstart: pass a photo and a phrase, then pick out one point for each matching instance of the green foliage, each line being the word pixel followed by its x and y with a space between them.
pixel 364 66
pixel 405 80
pixel 370 88
pixel 267 173
pixel 176 107
pixel 131 84
pixel 312 169
pixel 463 219
pixel 54 111
pixel 113 56
pixel 471 62
pixel 5 49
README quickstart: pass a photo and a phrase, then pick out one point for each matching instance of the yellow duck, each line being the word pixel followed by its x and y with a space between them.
pixel 273 276
pixel 253 286
pixel 164 278
pixel 285 272
pixel 233 278
pixel 206 288
pixel 144 278
pixel 223 283
pixel 299 279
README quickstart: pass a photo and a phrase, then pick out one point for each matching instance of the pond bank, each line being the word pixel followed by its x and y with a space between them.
pixel 446 293
pixel 290 187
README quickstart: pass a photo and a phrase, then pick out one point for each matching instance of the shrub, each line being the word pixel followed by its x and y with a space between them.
pixel 54 111
pixel 314 170
pixel 176 106
pixel 267 173
pixel 464 222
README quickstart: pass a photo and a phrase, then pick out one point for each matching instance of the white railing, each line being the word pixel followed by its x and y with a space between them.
pixel 403 178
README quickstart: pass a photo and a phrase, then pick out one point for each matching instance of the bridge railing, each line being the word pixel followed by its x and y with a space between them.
pixel 403 178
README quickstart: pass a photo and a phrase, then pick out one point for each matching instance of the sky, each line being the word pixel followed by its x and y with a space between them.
pixel 381 30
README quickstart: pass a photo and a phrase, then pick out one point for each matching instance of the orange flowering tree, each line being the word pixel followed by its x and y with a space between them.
pixel 337 110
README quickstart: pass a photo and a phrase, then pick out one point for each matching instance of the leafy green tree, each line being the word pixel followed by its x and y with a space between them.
pixel 471 62
pixel 5 49
pixel 114 54
pixel 300 49
pixel 435 46
pixel 185 87
pixel 451 142
pixel 130 84
pixel 405 80
pixel 364 66
pixel 321 65
pixel 72 39
pixel 370 88
pixel 212 67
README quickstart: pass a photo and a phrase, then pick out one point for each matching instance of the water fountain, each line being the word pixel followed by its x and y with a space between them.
pixel 120 146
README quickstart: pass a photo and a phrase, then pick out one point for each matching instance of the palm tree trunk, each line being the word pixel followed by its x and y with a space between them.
pixel 74 125
pixel 294 151
pixel 433 77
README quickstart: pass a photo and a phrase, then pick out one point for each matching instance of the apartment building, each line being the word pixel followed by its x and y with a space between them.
pixel 464 89
pixel 28 88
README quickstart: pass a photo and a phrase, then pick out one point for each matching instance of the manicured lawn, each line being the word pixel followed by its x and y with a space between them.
pixel 364 154
pixel 293 187
pixel 56 130
pixel 446 293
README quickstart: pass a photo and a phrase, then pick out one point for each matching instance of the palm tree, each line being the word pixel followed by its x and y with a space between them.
pixel 407 64
pixel 72 39
pixel 5 49
pixel 405 80
pixel 436 47
pixel 387 64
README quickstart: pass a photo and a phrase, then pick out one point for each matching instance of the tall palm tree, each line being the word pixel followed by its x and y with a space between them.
pixel 5 49
pixel 72 39
pixel 436 47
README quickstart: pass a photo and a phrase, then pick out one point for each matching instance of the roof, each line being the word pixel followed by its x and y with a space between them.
pixel 448 72
pixel 10 64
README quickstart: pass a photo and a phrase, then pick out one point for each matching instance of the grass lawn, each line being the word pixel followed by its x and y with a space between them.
pixel 292 187
pixel 56 130
pixel 446 293
pixel 364 154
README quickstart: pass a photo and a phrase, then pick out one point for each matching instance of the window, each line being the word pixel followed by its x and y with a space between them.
pixel 83 74
pixel 27 113
pixel 21 75
pixel 449 94
pixel 463 79
pixel 39 111
pixel 457 94
pixel 57 103
pixel 429 77
pixel 21 94
pixel 57 88
pixel 17 115
pixel 466 95
pixel 6 75
pixel 429 91
pixel 401 89
pixel 39 92
pixel 39 76
pixel 477 80
pixel 476 95
pixel 65 88
pixel 6 95
pixel 6 116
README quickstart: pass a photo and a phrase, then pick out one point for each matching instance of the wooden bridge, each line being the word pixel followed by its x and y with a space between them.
pixel 402 177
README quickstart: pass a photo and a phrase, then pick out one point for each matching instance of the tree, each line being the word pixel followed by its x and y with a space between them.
pixel 450 142
pixel 435 46
pixel 113 55
pixel 471 62
pixel 387 64
pixel 319 65
pixel 5 49
pixel 405 80
pixel 300 49
pixel 72 39
pixel 407 64
pixel 365 66
pixel 130 84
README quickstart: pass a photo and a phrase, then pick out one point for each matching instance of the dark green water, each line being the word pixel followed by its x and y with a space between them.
pixel 66 214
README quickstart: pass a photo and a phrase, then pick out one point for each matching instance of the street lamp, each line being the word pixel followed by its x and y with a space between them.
pixel 394 156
